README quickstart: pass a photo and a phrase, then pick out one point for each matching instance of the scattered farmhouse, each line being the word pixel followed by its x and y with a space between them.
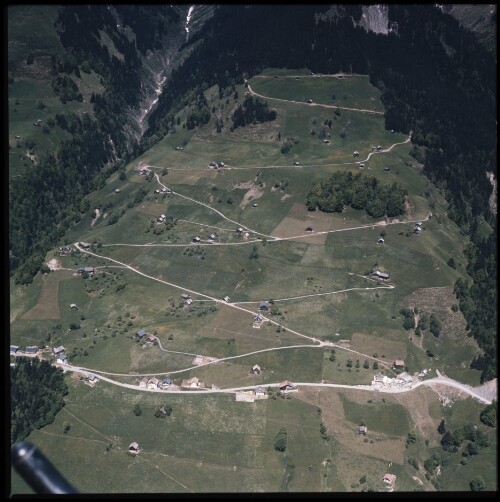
pixel 196 239
pixel 92 379
pixel 254 204
pixel 399 363
pixel 166 382
pixel 381 241
pixel 257 321
pixel 153 383
pixel 389 480
pixel 287 386
pixel 378 378
pixel 58 350
pixel 264 305
pixel 61 358
pixel 387 169
pixel 384 276
pixel 134 448
pixel 117 190
pixel 85 245
pixel 85 270
pixel 296 163
pixel 185 296
pixel 405 377
pixel 211 237
pixel 355 153
pixel 259 392
pixel 309 100
pixel 362 430
pixel 226 299
pixel 193 383
pixel 151 339
pixel 141 334
pixel 73 306
pixel 255 369
pixel 65 250
pixel 13 349
pixel 33 349
pixel 143 382
pixel 160 218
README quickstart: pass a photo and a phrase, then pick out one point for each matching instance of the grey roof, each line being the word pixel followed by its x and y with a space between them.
pixel 141 333
pixel 264 304
pixel 167 380
pixel 58 349
pixel 32 350
pixel 14 348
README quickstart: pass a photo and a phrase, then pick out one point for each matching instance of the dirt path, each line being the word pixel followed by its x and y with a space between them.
pixel 335 107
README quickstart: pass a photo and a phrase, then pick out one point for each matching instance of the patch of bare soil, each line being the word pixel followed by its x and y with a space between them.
pixel 253 193
pixel 488 390
pixel 438 301
pixel 97 214
pixel 54 264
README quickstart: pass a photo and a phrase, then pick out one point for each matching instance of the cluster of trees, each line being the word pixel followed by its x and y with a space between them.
pixel 252 111
pixel 409 322
pixel 358 191
pixel 66 89
pixel 280 440
pixel 37 395
pixel 200 114
pixel 452 441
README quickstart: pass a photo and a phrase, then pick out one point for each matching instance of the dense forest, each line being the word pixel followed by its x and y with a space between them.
pixel 252 111
pixel 436 80
pixel 358 191
pixel 37 392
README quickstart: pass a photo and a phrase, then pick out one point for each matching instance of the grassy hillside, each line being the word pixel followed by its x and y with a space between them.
pixel 314 268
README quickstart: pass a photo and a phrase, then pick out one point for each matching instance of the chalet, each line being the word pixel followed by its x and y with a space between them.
pixel 405 377
pixel 153 383
pixel 355 153
pixel 85 270
pixel 188 302
pixel 163 411
pixel 309 101
pixel 151 339
pixel 417 230
pixel 166 382
pixel 58 350
pixel 13 349
pixel 163 190
pixel 33 349
pixel 143 171
pixel 91 377
pixel 259 392
pixel 361 164
pixel 256 369
pixel 254 204
pixel 246 235
pixel 85 245
pixel 211 237
pixel 264 305
pixel 133 448
pixel 18 137
pixel 143 382
pixel 309 229
pixel 185 296
pixel 379 148
pixel 65 250
pixel 73 306
pixel 387 169
pixel 381 275
pixel 296 78
pixel 287 386
pixel 193 382
pixel 389 478
pixel 258 319
pixel 221 164
pixel 212 165
pixel 399 363
pixel 362 430
pixel 326 141
pixel 61 358
pixel 37 122
pixel 418 224
pixel 381 241
pixel 296 163
pixel 196 239
pixel 160 218
pixel 226 299
pixel 157 191
pixel 117 190
pixel 141 334
pixel 239 229
pixel 392 131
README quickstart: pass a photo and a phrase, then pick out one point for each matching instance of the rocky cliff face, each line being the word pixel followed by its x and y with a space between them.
pixel 375 18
